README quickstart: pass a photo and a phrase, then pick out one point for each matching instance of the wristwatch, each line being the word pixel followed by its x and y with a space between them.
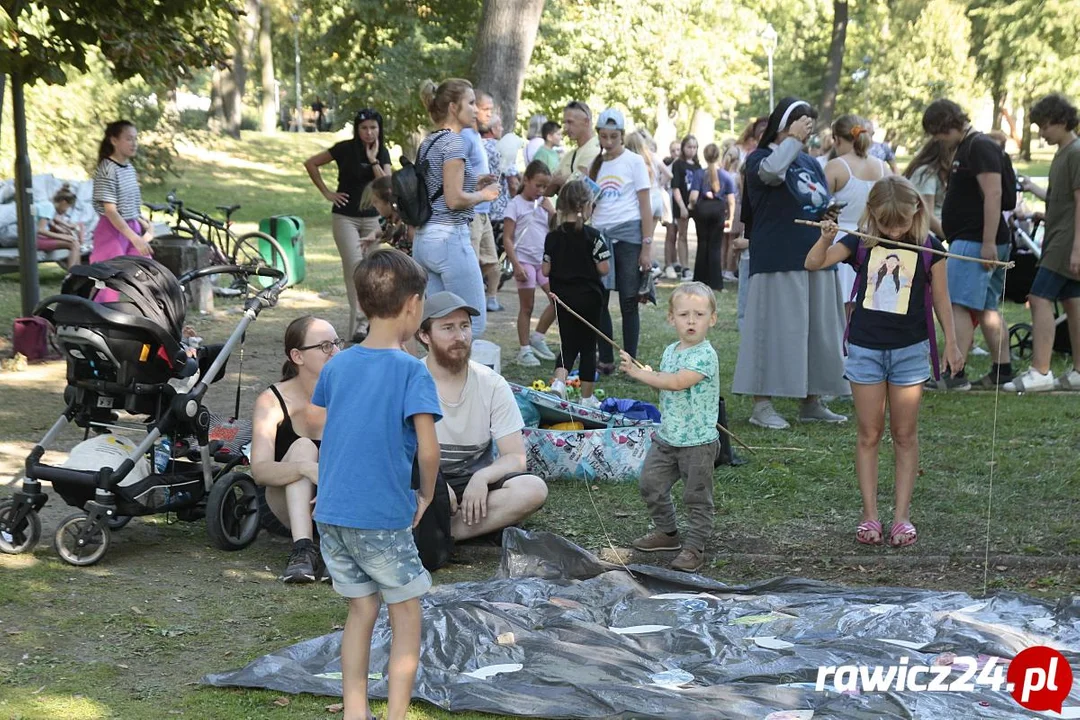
pixel 647 240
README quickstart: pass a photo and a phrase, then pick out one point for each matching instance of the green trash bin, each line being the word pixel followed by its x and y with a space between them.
pixel 288 230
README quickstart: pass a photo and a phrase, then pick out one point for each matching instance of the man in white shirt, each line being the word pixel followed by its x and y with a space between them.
pixel 480 415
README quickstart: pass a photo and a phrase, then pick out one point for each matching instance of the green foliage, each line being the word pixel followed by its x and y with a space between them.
pixel 636 54
pixel 65 122
pixel 920 59
pixel 375 53
pixel 156 39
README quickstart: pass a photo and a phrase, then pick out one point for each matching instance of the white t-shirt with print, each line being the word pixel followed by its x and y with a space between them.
pixel 486 413
pixel 620 180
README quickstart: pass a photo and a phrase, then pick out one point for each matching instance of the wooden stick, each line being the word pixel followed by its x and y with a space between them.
pixel 594 329
pixel 898 243
pixel 735 437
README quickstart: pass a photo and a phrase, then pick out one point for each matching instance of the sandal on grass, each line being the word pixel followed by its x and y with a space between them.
pixel 902 534
pixel 869 532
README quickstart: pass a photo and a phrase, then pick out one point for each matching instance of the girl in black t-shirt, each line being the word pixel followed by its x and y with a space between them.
pixel 683 170
pixel 575 258
pixel 891 338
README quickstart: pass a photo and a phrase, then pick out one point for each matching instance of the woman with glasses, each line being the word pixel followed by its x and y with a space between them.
pixel 286 432
pixel 359 161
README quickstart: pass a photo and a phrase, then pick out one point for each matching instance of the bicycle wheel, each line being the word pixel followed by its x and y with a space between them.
pixel 257 249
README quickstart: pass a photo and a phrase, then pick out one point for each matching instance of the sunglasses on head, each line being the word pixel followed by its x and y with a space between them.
pixel 327 346
pixel 367 115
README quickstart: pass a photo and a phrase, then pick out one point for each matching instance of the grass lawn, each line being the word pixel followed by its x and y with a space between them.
pixel 128 638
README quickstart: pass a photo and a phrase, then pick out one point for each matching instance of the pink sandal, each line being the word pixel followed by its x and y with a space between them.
pixel 902 534
pixel 866 530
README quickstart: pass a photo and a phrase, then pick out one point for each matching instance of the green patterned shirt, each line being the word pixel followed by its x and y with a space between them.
pixel 689 416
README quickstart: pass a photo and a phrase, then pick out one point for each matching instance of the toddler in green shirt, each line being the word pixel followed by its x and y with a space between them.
pixel 688 440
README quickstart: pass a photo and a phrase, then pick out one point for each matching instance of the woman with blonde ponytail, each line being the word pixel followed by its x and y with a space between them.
pixel 712 204
pixel 443 245
pixel 851 174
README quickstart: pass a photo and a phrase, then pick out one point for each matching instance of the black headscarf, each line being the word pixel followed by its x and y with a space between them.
pixel 773 128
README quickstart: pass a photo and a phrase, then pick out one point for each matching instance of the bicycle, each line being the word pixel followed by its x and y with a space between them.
pixel 250 250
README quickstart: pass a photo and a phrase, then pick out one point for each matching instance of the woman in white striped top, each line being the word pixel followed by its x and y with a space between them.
pixel 122 230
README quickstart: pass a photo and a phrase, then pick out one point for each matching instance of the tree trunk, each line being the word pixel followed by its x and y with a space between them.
pixel 1025 140
pixel 702 126
pixel 266 58
pixel 504 44
pixel 28 270
pixel 834 64
pixel 216 119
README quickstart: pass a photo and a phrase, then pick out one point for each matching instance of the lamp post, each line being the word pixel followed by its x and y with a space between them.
pixel 769 38
pixel 296 63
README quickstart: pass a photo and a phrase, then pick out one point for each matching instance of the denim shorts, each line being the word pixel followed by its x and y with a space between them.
pixel 970 284
pixel 1050 285
pixel 364 562
pixel 903 366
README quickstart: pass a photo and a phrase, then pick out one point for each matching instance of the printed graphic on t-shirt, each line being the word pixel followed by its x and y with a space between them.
pixel 890 272
pixel 610 186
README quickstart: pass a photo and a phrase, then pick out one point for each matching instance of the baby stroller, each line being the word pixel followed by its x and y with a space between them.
pixel 1026 251
pixel 128 355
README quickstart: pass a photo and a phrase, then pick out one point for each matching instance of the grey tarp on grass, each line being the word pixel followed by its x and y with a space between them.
pixel 561 603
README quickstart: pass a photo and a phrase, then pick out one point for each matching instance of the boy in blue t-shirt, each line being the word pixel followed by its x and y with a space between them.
pixel 381 408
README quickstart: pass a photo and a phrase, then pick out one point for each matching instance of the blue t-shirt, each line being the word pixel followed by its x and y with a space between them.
pixel 777 244
pixel 702 184
pixel 478 159
pixel 369 441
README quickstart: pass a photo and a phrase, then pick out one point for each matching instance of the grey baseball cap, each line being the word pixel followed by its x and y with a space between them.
pixel 443 303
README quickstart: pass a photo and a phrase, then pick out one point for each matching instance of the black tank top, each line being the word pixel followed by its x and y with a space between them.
pixel 286 435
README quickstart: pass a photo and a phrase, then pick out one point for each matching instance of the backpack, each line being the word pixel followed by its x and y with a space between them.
pixel 861 254
pixel 410 188
pixel 1009 183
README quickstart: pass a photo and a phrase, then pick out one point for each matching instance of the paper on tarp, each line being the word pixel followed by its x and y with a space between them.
pixel 697 648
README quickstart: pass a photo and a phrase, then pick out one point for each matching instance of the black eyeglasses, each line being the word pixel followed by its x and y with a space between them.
pixel 327 346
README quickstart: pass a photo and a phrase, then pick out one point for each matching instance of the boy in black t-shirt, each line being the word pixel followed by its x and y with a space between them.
pixel 974 227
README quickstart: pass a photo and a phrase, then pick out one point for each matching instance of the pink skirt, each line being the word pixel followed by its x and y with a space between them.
pixel 109 243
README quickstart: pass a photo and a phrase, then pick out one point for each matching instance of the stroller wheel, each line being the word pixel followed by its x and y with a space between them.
pixel 118 522
pixel 232 512
pixel 74 546
pixel 14 541
pixel 1020 342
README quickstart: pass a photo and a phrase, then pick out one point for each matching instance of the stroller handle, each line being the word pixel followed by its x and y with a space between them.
pixel 267 297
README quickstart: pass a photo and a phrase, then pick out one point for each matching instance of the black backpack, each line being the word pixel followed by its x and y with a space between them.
pixel 1009 185
pixel 410 188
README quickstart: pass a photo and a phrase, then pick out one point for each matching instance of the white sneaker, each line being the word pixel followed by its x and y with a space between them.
pixel 559 388
pixel 1031 380
pixel 765 415
pixel 540 347
pixel 729 276
pixel 687 275
pixel 1068 381
pixel 977 351
pixel 590 402
pixel 669 273
pixel 525 357
pixel 817 411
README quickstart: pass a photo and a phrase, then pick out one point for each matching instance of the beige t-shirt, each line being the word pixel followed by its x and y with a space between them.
pixel 575 163
pixel 485 413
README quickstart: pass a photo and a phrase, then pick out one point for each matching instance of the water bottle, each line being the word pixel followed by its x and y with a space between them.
pixel 162 455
